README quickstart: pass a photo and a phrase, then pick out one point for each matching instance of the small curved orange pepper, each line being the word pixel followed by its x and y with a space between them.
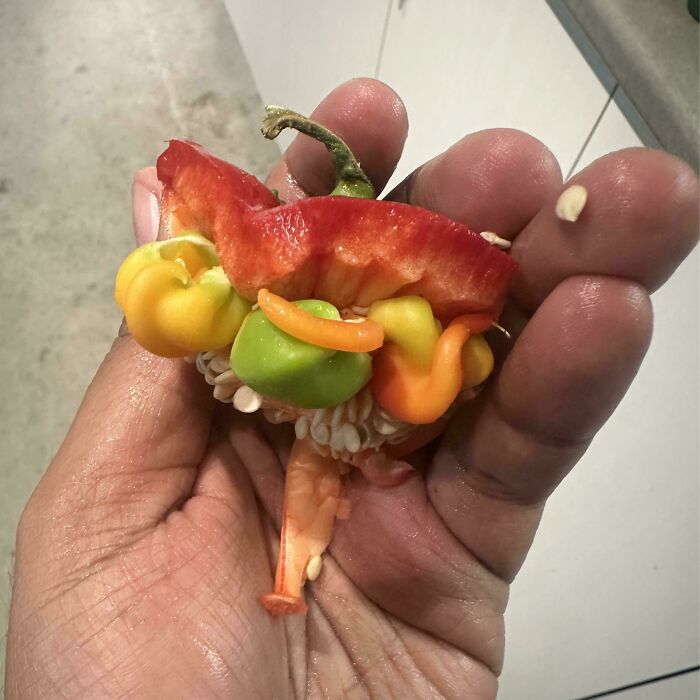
pixel 418 396
pixel 363 336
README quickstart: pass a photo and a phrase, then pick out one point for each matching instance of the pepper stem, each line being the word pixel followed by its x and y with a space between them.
pixel 351 180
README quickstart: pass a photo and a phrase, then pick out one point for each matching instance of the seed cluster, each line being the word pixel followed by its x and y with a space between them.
pixel 341 431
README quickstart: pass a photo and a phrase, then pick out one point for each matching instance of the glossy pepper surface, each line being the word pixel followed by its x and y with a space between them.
pixel 421 395
pixel 346 250
pixel 414 336
pixel 298 373
pixel 177 299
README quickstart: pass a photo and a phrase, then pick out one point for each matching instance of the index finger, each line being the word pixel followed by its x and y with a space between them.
pixel 369 116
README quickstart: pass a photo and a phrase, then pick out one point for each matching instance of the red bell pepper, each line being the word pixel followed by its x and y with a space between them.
pixel 203 193
pixel 348 251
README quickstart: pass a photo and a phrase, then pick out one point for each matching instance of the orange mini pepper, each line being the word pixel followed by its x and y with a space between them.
pixel 363 336
pixel 421 396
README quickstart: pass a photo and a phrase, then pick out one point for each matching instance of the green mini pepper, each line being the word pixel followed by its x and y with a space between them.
pixel 277 365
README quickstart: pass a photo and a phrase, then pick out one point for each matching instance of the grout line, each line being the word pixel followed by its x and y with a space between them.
pixel 635 120
pixel 646 681
pixel 383 39
pixel 591 132
pixel 601 70
pixel 584 45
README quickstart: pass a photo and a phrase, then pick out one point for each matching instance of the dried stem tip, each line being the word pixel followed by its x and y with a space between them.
pixel 351 180
pixel 571 203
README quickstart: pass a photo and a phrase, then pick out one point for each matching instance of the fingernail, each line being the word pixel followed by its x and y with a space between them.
pixel 145 192
pixel 123 329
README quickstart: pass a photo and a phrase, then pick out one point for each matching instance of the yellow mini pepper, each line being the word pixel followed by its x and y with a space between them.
pixel 420 371
pixel 177 299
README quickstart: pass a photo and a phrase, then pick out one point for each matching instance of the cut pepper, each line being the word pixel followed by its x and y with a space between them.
pixel 348 250
pixel 418 396
pixel 311 502
pixel 345 250
pixel 363 336
pixel 176 298
pixel 217 190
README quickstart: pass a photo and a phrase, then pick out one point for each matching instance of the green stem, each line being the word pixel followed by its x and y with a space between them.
pixel 350 179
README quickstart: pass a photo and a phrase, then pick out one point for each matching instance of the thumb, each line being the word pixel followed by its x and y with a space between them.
pixel 135 443
pixel 142 428
pixel 145 195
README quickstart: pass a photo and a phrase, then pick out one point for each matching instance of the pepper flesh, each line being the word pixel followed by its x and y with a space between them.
pixel 176 299
pixel 297 373
pixel 363 336
pixel 345 250
pixel 311 503
pixel 224 192
pixel 418 396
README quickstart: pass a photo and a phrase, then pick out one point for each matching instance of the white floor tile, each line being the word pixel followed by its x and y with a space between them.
pixel 609 593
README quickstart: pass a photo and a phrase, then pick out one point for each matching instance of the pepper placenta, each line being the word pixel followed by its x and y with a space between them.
pixel 177 299
pixel 311 502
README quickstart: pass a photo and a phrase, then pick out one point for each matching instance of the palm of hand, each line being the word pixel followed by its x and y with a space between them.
pixel 171 610
pixel 143 551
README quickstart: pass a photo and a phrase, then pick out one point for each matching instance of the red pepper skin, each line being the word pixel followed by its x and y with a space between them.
pixel 356 251
pixel 202 192
pixel 345 250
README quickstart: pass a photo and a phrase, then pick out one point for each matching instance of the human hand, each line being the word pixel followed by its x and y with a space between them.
pixel 144 549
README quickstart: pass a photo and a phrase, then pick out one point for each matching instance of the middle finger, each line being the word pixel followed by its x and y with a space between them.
pixel 493 180
pixel 639 222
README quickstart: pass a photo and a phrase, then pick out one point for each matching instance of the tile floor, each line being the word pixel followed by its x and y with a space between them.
pixel 88 93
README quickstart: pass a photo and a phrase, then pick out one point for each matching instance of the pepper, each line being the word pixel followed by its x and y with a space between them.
pixel 409 322
pixel 284 367
pixel 177 299
pixel 419 395
pixel 477 361
pixel 187 167
pixel 420 372
pixel 347 250
pixel 350 336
